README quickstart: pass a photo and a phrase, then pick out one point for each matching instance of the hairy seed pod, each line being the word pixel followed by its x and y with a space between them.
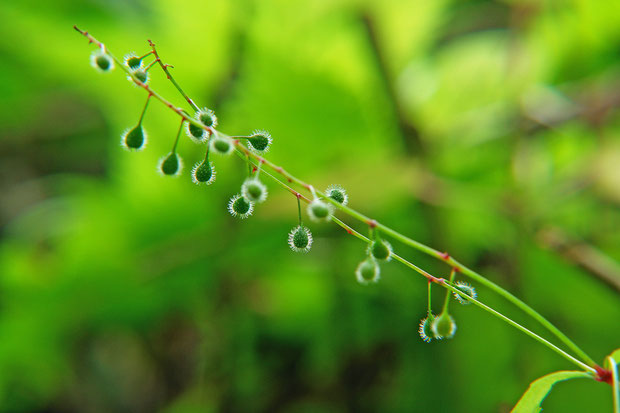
pixel 254 190
pixel 240 207
pixel 207 117
pixel 196 133
pixel 338 194
pixel 443 326
pixel 134 139
pixel 260 141
pixel 140 74
pixel 319 211
pixel 300 239
pixel 425 330
pixel 101 61
pixel 221 144
pixel 380 249
pixel 203 173
pixel 467 289
pixel 170 164
pixel 132 61
pixel 367 271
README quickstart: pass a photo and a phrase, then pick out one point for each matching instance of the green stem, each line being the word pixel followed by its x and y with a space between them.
pixel 447 300
pixel 520 327
pixel 436 254
pixel 614 382
pixel 148 99
pixel 164 67
pixel 430 309
pixel 176 141
pixel 299 208
pixel 354 214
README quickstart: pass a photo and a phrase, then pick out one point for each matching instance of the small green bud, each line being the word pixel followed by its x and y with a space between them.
pixel 254 190
pixel 196 133
pixel 467 290
pixel 338 194
pixel 140 74
pixel 300 239
pixel 132 61
pixel 443 326
pixel 240 207
pixel 221 144
pixel 203 173
pixel 207 117
pixel 425 330
pixel 101 61
pixel 170 164
pixel 134 139
pixel 367 271
pixel 260 141
pixel 380 249
pixel 319 210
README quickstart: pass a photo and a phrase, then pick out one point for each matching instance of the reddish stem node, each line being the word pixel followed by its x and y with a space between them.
pixel 372 223
pixel 445 256
pixel 603 375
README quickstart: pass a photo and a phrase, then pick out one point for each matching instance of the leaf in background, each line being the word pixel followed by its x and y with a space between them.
pixel 532 399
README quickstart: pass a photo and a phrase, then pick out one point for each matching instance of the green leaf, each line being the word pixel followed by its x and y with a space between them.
pixel 532 399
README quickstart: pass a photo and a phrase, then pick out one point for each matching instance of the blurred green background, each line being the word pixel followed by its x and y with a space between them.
pixel 488 129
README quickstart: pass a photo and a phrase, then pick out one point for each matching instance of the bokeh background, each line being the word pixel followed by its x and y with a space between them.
pixel 485 128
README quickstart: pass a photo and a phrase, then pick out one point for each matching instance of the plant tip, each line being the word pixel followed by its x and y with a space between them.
pixel 380 249
pixel 260 141
pixel 466 289
pixel 254 190
pixel 443 326
pixel 367 271
pixel 101 61
pixel 319 210
pixel 240 207
pixel 300 239
pixel 338 194
pixel 170 165
pixel 203 173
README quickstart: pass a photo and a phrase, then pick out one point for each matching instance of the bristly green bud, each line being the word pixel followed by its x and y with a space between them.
pixel 221 144
pixel 443 326
pixel 380 249
pixel 300 239
pixel 101 61
pixel 425 330
pixel 207 117
pixel 196 133
pixel 240 207
pixel 338 194
pixel 260 141
pixel 319 211
pixel 134 139
pixel 203 173
pixel 170 164
pixel 140 74
pixel 132 61
pixel 254 190
pixel 467 290
pixel 367 271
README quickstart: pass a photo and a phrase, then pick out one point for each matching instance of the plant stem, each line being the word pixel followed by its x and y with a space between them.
pixel 447 300
pixel 176 140
pixel 614 382
pixel 165 67
pixel 148 99
pixel 359 216
pixel 520 327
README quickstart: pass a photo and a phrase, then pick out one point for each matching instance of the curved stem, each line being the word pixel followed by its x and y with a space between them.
pixel 359 216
